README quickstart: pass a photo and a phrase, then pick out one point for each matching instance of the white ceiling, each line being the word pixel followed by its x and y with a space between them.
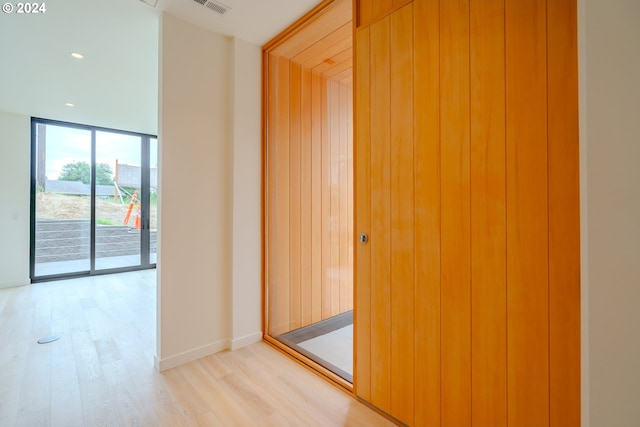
pixel 116 83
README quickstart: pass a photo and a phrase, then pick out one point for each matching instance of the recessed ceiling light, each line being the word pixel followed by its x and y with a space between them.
pixel 77 55
pixel 68 104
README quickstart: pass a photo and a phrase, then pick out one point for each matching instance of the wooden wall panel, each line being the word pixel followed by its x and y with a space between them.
pixel 274 316
pixel 278 295
pixel 306 208
pixel 402 215
pixel 426 100
pixel 309 207
pixel 326 202
pixel 364 13
pixel 527 214
pixel 332 18
pixel 371 11
pixel 343 186
pixel 294 190
pixel 495 294
pixel 313 179
pixel 455 199
pixel 468 291
pixel 362 187
pixel 349 198
pixel 488 215
pixel 316 195
pixel 380 216
pixel 334 195
pixel 327 47
pixel 564 215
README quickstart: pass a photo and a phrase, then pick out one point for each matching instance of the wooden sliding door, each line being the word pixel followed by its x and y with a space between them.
pixel 466 177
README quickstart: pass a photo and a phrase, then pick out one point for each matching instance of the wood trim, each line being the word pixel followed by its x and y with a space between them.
pixel 301 90
pixel 263 192
pixel 329 20
pixel 299 24
pixel 322 372
pixel 317 368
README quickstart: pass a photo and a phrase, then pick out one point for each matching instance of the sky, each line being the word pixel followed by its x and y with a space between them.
pixel 67 145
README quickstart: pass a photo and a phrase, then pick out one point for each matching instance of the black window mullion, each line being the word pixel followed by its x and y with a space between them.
pixel 32 222
pixel 145 196
pixel 145 190
pixel 92 231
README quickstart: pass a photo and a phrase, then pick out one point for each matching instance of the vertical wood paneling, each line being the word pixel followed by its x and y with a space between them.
pixel 295 288
pixel 455 291
pixel 335 190
pixel 274 317
pixel 364 12
pixel 372 10
pixel 402 209
pixel 527 214
pixel 343 188
pixel 564 216
pixel 488 216
pixel 496 329
pixel 427 211
pixel 326 200
pixel 279 295
pixel 316 203
pixel 310 246
pixel 306 210
pixel 380 216
pixel 309 166
pixel 349 199
pixel 396 4
pixel 362 187
pixel 379 8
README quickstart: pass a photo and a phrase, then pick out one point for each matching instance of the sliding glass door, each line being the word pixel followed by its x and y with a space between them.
pixel 93 200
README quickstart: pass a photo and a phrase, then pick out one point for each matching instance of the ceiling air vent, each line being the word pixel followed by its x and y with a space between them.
pixel 151 3
pixel 217 7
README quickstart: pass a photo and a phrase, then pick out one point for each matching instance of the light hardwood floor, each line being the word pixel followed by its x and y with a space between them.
pixel 100 372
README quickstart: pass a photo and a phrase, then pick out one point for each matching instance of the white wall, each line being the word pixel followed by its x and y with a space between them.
pixel 247 181
pixel 610 139
pixel 209 136
pixel 15 137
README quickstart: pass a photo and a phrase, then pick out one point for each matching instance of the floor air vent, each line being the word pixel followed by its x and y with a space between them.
pixel 217 7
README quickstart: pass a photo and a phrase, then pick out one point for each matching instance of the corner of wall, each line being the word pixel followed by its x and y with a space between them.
pixel 15 210
pixel 191 355
pixel 247 194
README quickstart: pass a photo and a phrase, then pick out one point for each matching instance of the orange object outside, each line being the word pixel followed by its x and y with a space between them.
pixel 128 214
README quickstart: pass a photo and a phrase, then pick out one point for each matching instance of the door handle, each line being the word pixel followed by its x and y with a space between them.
pixel 363 238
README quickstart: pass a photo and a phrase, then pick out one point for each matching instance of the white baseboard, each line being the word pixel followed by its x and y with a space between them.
pixel 246 340
pixel 6 285
pixel 190 356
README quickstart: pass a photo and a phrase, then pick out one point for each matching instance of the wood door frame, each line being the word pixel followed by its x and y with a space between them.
pixel 277 42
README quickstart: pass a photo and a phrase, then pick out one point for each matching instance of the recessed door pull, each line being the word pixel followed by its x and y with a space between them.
pixel 364 238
